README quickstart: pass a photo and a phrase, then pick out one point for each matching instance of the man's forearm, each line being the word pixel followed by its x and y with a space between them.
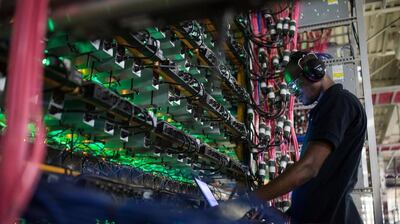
pixel 293 177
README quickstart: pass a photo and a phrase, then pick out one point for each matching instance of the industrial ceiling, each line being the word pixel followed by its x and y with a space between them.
pixel 383 37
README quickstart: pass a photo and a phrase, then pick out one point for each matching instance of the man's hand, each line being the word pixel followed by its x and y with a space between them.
pixel 296 175
pixel 299 173
pixel 232 210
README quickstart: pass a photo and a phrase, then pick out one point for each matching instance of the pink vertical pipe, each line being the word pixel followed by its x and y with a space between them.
pixel 18 168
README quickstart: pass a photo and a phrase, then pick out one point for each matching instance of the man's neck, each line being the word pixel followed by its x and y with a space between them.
pixel 326 84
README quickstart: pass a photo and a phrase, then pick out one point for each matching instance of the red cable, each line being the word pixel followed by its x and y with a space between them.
pixel 14 146
pixel 19 167
pixel 31 171
pixel 295 16
pixel 255 94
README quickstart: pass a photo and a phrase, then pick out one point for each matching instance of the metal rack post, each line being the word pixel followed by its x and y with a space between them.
pixel 373 154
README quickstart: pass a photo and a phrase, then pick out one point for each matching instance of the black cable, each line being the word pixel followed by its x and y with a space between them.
pixel 355 34
pixel 277 12
pixel 267 115
pixel 82 111
pixel 214 172
pixel 170 83
pixel 251 36
pixel 267 147
pixel 151 56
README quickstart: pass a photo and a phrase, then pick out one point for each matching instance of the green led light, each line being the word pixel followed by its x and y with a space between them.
pixel 179 57
pixel 191 53
pixel 50 25
pixel 46 61
pixel 3 120
pixel 304 46
pixel 288 77
pixel 32 130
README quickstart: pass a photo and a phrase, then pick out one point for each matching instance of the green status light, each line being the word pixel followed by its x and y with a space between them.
pixel 46 62
pixel 288 77
pixel 50 25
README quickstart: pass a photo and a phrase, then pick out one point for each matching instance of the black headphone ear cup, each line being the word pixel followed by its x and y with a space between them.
pixel 314 69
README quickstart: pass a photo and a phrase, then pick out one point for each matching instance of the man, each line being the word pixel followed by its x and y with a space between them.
pixel 326 173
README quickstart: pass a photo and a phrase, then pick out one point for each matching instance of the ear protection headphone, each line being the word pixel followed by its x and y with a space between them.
pixel 312 67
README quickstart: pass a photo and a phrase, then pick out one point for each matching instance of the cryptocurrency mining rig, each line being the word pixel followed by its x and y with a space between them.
pixel 109 101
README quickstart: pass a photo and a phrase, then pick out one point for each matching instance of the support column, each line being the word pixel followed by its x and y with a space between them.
pixel 373 155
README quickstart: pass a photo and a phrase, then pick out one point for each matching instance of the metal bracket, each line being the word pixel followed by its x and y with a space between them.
pixel 341 60
pixel 330 24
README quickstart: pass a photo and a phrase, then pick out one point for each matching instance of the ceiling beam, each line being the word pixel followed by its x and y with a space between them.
pixel 381 54
pixel 372 2
pixel 376 71
pixel 381 11
pixel 382 30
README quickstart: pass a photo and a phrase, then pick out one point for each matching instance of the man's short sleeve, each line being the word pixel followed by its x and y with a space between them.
pixel 331 120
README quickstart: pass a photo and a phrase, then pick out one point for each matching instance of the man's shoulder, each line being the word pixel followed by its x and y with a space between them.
pixel 351 99
pixel 352 105
pixel 345 98
pixel 341 103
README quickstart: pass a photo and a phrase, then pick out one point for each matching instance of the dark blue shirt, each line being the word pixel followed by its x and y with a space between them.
pixel 339 119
